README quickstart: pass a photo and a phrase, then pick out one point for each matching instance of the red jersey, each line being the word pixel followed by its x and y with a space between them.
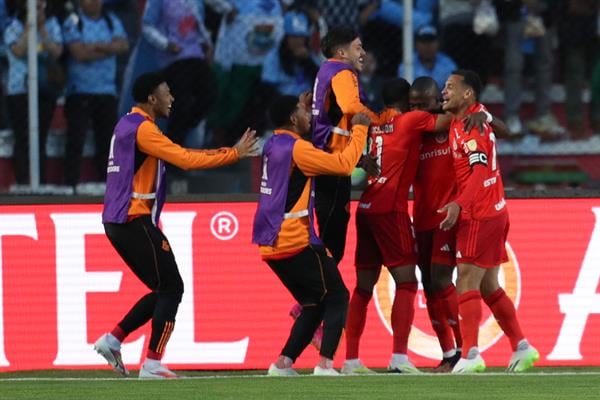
pixel 435 182
pixel 395 146
pixel 480 187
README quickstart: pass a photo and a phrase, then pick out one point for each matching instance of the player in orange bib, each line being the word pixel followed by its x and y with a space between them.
pixel 481 216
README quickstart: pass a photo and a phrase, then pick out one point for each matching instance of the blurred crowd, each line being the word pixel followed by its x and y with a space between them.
pixel 226 59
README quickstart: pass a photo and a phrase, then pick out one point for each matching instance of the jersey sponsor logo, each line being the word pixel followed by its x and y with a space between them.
pixel 445 247
pixel 458 254
pixel 427 345
pixel 381 180
pixel 434 153
pixel 478 158
pixel 113 168
pixel 365 206
pixel 266 190
pixel 500 205
pixel 489 182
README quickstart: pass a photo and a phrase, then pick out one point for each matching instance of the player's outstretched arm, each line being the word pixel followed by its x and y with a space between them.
pixel 313 161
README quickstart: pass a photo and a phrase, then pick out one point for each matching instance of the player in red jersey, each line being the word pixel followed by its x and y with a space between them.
pixel 435 186
pixel 384 229
pixel 481 216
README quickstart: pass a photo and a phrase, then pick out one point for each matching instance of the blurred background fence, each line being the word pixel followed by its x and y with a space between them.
pixel 225 60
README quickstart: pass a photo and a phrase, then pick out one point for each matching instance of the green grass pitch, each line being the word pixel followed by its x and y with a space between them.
pixel 540 383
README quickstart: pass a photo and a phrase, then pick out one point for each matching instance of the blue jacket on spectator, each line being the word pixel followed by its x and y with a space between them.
pixel 98 76
pixel 442 68
pixel 17 67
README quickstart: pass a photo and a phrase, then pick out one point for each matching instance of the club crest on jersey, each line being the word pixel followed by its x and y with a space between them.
pixel 472 145
pixel 441 138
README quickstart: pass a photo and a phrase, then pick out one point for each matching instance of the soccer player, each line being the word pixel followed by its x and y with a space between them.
pixel 481 216
pixel 283 228
pixel 337 97
pixel 383 226
pixel 135 194
pixel 435 186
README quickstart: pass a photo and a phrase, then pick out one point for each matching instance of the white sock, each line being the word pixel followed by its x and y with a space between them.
pixel 399 358
pixel 473 352
pixel 523 344
pixel 449 353
pixel 113 341
pixel 151 363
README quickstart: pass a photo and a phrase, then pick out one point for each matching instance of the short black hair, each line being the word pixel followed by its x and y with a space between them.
pixel 425 84
pixel 338 36
pixel 145 85
pixel 471 79
pixel 395 91
pixel 281 109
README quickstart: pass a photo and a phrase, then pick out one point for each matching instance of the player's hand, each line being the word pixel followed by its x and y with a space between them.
pixel 361 119
pixel 475 120
pixel 369 164
pixel 452 211
pixel 247 146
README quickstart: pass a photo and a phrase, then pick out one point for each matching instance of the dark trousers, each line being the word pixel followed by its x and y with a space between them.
pixel 194 88
pixel 147 252
pixel 315 282
pixel 82 111
pixel 332 198
pixel 18 109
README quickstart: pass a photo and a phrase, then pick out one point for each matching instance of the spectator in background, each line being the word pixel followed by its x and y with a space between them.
pixel 290 69
pixel 94 39
pixel 3 23
pixel 337 12
pixel 459 40
pixel 526 33
pixel 371 82
pixel 241 49
pixel 578 33
pixel 128 12
pixel 428 60
pixel 176 29
pixel 49 82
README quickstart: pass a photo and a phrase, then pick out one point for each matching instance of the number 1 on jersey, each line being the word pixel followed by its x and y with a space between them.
pixel 376 149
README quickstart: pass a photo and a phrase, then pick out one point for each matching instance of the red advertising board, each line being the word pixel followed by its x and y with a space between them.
pixel 62 285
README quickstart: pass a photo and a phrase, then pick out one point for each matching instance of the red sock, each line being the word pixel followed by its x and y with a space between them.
pixel 469 309
pixel 449 299
pixel 439 323
pixel 504 312
pixel 153 355
pixel 355 323
pixel 403 313
pixel 119 333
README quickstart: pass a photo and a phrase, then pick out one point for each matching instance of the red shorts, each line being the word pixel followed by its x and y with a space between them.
pixel 384 239
pixel 437 247
pixel 482 242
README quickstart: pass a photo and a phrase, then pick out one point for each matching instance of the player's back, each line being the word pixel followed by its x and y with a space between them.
pixel 395 146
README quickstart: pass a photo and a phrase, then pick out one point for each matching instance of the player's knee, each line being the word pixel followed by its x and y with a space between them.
pixel 341 297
